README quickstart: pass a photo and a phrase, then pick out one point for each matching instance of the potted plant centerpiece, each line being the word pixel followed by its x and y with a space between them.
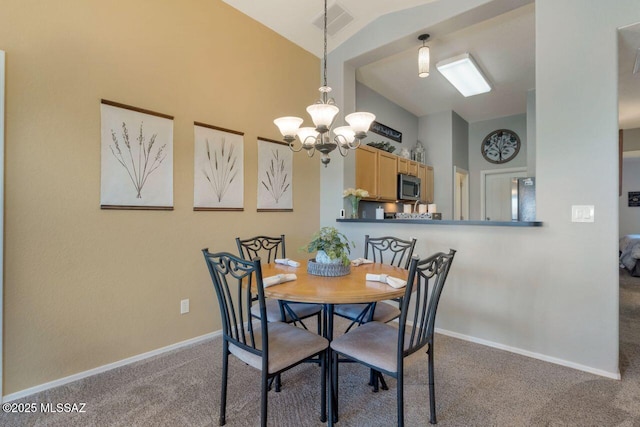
pixel 332 253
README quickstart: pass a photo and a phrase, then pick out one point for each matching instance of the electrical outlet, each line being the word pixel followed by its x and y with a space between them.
pixel 184 306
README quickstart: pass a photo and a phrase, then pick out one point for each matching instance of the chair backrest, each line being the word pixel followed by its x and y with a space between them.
pixel 265 247
pixel 397 251
pixel 232 279
pixel 420 302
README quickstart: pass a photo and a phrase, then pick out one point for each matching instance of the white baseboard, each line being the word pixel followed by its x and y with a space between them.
pixel 108 367
pixel 613 375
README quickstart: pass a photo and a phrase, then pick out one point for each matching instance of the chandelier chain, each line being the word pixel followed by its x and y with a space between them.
pixel 324 69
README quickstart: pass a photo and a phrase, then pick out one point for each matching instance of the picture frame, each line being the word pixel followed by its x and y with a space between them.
pixel 275 176
pixel 136 158
pixel 386 131
pixel 218 168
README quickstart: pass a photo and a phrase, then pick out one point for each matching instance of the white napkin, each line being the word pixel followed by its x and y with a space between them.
pixel 383 278
pixel 287 261
pixel 358 261
pixel 277 279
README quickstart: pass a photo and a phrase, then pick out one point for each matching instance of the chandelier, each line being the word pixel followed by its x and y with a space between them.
pixel 323 137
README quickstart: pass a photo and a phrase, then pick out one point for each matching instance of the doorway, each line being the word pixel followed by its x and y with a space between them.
pixel 460 194
pixel 495 193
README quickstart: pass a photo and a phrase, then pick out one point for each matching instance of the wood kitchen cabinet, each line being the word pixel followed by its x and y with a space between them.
pixel 376 172
pixel 407 167
pixel 387 176
pixel 425 173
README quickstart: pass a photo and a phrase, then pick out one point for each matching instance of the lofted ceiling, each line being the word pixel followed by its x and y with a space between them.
pixel 628 82
pixel 503 46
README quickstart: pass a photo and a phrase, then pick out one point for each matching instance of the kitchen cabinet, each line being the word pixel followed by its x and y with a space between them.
pixel 403 165
pixel 425 173
pixel 387 176
pixel 376 172
pixel 413 168
pixel 407 167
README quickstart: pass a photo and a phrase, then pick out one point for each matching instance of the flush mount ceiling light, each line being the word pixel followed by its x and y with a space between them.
pixel 423 57
pixel 464 74
pixel 323 137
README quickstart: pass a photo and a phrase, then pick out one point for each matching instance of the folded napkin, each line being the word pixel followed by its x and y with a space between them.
pixel 358 261
pixel 277 279
pixel 383 278
pixel 287 261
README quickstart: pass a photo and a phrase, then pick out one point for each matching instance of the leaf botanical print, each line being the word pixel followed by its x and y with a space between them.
pixel 277 179
pixel 137 159
pixel 221 168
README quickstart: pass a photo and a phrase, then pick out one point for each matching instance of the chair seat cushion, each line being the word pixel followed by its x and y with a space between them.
pixel 373 343
pixel 384 312
pixel 302 310
pixel 288 345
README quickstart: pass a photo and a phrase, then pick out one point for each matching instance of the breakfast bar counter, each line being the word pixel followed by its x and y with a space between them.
pixel 444 222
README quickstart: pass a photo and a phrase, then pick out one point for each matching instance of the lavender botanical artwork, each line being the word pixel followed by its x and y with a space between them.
pixel 275 176
pixel 137 158
pixel 218 168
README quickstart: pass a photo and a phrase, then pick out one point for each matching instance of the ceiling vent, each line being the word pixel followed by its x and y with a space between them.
pixel 337 19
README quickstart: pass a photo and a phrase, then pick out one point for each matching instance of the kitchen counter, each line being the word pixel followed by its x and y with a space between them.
pixel 446 222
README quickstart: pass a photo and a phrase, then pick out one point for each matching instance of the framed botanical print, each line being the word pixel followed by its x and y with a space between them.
pixel 275 176
pixel 136 158
pixel 218 168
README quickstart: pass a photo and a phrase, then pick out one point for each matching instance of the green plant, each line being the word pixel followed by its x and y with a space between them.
pixel 383 145
pixel 335 244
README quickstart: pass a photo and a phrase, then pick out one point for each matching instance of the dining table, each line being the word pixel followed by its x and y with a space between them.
pixel 331 290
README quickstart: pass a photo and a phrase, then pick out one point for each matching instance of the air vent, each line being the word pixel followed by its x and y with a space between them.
pixel 636 65
pixel 337 19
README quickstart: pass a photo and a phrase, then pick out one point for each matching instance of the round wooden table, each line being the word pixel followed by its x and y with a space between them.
pixel 328 291
pixel 352 288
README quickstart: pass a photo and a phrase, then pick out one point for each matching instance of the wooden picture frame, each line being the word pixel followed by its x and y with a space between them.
pixel 275 176
pixel 136 158
pixel 218 178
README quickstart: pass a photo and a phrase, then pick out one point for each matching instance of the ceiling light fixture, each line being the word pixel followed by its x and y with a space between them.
pixel 464 74
pixel 323 137
pixel 423 57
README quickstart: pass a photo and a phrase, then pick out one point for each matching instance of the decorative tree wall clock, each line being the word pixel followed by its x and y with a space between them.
pixel 275 176
pixel 218 168
pixel 136 158
pixel 500 146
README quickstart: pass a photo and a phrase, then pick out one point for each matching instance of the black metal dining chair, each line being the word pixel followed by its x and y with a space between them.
pixel 270 347
pixel 384 346
pixel 272 248
pixel 394 251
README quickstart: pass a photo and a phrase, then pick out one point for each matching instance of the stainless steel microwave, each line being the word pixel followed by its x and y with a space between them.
pixel 408 187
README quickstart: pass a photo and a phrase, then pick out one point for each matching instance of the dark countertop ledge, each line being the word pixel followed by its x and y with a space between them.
pixel 446 222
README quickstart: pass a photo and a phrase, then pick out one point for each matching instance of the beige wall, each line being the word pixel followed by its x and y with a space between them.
pixel 85 287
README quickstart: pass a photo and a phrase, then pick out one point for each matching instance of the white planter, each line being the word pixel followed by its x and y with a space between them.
pixel 323 258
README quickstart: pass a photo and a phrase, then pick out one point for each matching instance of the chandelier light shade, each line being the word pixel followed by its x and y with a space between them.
pixel 464 74
pixel 424 58
pixel 323 137
pixel 288 126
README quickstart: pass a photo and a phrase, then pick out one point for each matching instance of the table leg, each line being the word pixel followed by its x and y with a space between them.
pixel 332 390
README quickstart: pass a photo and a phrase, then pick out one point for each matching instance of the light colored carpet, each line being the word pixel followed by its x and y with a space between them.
pixel 475 386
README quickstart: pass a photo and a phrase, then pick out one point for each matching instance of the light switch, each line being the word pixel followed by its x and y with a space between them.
pixel 582 213
pixel 184 306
